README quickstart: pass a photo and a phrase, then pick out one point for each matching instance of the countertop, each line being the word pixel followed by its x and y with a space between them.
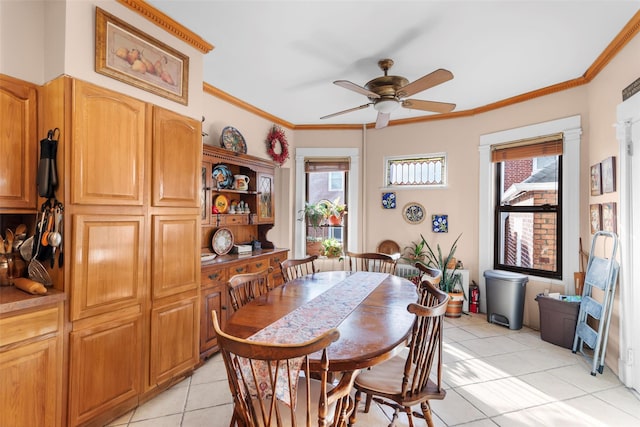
pixel 13 299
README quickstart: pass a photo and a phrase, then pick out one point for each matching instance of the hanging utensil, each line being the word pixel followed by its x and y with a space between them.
pixel 36 270
pixel 9 241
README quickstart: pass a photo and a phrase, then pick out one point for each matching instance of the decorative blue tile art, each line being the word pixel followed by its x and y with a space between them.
pixel 389 200
pixel 440 223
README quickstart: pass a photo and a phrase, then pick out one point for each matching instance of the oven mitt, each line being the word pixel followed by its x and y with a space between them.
pixel 47 168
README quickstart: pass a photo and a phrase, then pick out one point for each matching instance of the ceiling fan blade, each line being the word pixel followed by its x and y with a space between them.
pixel 382 120
pixel 356 88
pixel 346 111
pixel 425 82
pixel 437 107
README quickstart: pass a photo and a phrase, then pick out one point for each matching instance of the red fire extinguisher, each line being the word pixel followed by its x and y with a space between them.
pixel 474 297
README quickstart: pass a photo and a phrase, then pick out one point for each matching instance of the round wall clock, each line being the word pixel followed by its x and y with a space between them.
pixel 413 213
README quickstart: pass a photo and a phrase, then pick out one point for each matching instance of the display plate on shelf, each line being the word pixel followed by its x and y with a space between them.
pixel 222 241
pixel 207 257
pixel 413 213
pixel 232 139
pixel 221 203
pixel 222 176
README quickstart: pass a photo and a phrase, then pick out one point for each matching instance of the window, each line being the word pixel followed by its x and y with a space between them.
pixel 528 208
pixel 325 185
pixel 422 170
pixel 336 181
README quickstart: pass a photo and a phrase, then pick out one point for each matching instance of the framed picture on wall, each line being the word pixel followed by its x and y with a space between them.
pixel 595 218
pixel 609 218
pixel 609 175
pixel 127 54
pixel 596 180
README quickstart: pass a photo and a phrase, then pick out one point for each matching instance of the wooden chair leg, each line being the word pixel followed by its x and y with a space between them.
pixel 367 404
pixel 352 417
pixel 426 411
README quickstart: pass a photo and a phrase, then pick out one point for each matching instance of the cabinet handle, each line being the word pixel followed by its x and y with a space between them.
pixel 214 276
pixel 259 265
pixel 239 270
pixel 224 307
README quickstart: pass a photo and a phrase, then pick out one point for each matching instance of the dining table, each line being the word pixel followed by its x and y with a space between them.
pixel 369 310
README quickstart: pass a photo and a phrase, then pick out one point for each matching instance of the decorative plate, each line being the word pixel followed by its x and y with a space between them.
pixel 413 213
pixel 232 139
pixel 222 241
pixel 221 203
pixel 222 176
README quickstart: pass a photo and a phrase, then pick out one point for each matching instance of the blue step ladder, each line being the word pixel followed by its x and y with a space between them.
pixel 602 274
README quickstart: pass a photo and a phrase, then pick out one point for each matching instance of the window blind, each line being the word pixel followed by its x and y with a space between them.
pixel 326 165
pixel 550 145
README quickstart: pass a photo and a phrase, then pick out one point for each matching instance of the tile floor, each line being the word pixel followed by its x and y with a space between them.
pixel 494 376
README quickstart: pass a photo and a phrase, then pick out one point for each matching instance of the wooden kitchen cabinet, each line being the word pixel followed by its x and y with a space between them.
pixel 106 365
pixel 176 159
pixel 174 338
pixel 215 296
pixel 130 183
pixel 18 143
pixel 31 358
pixel 108 156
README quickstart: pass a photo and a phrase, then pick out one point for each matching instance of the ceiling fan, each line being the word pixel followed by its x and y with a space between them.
pixel 386 93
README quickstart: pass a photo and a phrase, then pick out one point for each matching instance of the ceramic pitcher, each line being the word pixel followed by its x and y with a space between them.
pixel 241 182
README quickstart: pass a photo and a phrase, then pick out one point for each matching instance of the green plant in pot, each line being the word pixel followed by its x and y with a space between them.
pixel 450 282
pixel 332 247
pixel 415 252
pixel 314 215
pixel 334 210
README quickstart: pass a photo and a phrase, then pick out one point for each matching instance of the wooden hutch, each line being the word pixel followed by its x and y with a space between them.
pixel 245 227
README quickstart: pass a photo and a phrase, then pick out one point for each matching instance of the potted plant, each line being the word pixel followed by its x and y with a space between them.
pixel 332 247
pixel 334 210
pixel 415 252
pixel 450 281
pixel 314 215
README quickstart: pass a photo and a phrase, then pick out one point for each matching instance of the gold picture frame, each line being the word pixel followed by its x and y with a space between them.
pixel 127 54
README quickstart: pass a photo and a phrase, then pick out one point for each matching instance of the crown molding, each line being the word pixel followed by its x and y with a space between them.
pixel 212 90
pixel 167 23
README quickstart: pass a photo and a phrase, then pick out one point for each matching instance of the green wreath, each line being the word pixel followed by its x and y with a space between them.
pixel 275 138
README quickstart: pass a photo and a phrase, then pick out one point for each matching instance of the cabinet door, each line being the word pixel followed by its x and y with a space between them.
pixel 205 189
pixel 105 366
pixel 177 154
pixel 30 386
pixel 107 263
pixel 18 145
pixel 174 339
pixel 176 257
pixel 107 151
pixel 212 299
pixel 266 205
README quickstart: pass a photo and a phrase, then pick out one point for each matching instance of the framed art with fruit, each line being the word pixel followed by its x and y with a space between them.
pixel 127 54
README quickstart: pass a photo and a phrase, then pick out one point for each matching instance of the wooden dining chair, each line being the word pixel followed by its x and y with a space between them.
pixel 406 380
pixel 434 275
pixel 258 371
pixel 247 286
pixel 372 261
pixel 294 268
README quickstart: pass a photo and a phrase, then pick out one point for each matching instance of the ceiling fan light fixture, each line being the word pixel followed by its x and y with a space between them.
pixel 386 105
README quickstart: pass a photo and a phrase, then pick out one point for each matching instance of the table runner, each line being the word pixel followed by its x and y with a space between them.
pixel 308 321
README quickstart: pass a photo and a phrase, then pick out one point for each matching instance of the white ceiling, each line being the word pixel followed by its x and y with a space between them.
pixel 282 56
